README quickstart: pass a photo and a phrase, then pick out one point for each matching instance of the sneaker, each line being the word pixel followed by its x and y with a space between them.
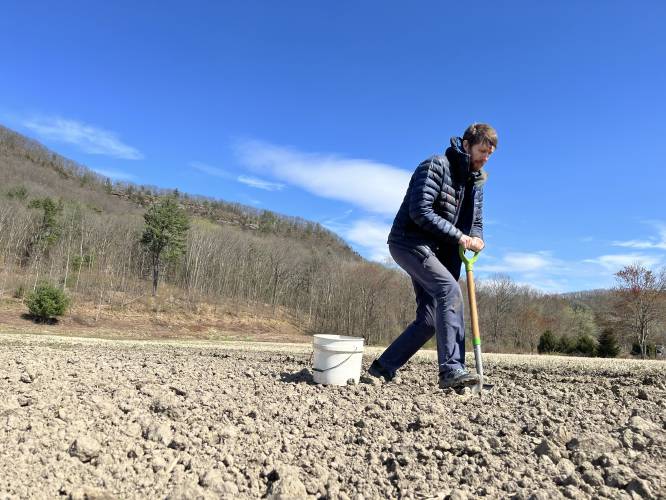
pixel 457 378
pixel 378 371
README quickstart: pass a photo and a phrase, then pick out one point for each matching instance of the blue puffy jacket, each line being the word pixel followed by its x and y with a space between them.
pixel 431 217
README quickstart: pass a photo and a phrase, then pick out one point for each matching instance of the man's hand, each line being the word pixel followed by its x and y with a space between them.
pixel 472 243
pixel 477 244
pixel 465 242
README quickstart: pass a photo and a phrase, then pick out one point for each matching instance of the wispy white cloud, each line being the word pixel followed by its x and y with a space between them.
pixel 539 270
pixel 641 244
pixel 373 186
pixel 521 262
pixel 652 242
pixel 614 263
pixel 529 261
pixel 548 273
pixel 367 235
pixel 243 179
pixel 334 221
pixel 211 170
pixel 545 272
pixel 545 284
pixel 260 183
pixel 115 174
pixel 88 138
pixel 371 235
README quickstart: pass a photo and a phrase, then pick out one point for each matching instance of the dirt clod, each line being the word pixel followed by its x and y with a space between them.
pixel 548 448
pixel 85 449
pixel 287 484
pixel 640 487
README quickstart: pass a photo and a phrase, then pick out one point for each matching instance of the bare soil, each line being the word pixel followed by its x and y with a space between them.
pixel 83 418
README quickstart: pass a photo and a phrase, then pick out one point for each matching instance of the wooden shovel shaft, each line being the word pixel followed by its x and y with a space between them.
pixel 474 317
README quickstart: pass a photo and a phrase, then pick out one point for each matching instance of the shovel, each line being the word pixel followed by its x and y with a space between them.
pixel 476 337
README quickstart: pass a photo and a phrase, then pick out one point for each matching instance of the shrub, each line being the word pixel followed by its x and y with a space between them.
pixel 47 301
pixel 567 345
pixel 607 344
pixel 585 345
pixel 547 343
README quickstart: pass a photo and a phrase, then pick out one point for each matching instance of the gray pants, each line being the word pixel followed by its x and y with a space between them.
pixel 439 310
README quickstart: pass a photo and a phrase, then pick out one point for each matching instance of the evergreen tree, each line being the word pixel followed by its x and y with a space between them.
pixel 547 343
pixel 608 346
pixel 566 345
pixel 47 301
pixel 48 229
pixel 165 234
pixel 585 345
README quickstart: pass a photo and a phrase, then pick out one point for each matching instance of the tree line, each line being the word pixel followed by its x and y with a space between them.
pixel 111 259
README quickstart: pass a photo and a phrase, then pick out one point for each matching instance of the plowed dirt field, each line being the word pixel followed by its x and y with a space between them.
pixel 121 419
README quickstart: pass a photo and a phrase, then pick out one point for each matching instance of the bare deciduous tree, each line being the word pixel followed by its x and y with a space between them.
pixel 639 292
pixel 498 300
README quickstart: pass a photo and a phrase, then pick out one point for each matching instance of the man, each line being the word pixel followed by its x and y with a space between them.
pixel 443 209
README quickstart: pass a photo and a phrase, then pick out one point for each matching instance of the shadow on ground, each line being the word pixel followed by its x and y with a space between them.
pixel 299 377
pixel 39 320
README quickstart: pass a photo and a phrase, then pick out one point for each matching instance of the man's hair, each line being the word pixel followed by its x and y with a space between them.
pixel 478 133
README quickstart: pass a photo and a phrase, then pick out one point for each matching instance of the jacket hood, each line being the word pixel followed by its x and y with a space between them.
pixel 459 161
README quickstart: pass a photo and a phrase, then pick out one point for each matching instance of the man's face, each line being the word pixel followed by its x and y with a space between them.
pixel 479 154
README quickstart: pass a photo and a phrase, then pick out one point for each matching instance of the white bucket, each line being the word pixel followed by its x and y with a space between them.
pixel 337 359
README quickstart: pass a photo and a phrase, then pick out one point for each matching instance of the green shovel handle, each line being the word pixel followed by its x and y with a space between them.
pixel 469 263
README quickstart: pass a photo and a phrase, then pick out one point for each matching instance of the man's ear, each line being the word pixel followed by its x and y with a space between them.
pixel 466 145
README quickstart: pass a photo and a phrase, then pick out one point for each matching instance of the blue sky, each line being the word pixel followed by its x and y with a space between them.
pixel 323 109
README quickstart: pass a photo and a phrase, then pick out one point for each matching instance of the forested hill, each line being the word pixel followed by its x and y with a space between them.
pixel 63 224
pixel 31 171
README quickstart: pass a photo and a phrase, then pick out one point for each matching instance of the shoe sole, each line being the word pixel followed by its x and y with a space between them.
pixel 459 385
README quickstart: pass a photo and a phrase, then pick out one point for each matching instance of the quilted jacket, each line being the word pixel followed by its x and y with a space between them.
pixel 431 214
